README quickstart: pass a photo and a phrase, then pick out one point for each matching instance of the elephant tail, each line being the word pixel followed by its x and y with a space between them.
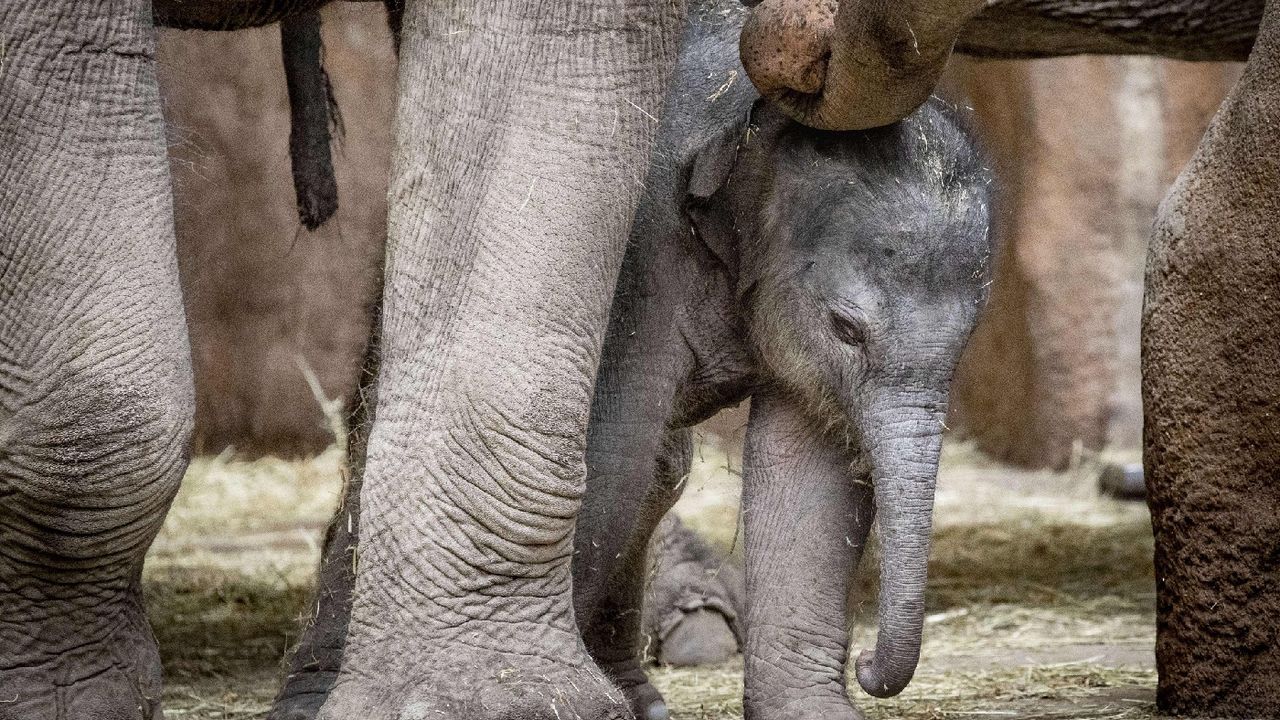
pixel 312 114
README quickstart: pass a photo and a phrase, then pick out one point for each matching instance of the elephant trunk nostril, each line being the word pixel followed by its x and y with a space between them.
pixel 786 46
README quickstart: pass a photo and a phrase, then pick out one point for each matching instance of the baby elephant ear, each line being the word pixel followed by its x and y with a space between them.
pixel 714 162
pixel 715 152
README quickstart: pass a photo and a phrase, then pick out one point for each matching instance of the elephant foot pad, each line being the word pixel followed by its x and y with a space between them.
pixel 470 684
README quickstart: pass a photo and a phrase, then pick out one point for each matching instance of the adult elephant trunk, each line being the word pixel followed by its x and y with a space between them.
pixel 852 65
pixel 903 439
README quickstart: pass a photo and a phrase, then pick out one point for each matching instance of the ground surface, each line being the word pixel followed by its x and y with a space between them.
pixel 1040 598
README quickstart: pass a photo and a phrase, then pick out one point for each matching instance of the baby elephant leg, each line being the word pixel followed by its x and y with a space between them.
pixel 612 626
pixel 806 517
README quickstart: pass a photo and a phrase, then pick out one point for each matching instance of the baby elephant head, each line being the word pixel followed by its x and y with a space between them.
pixel 869 266
pixel 862 276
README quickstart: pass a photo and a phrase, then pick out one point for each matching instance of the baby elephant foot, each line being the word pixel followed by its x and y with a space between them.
pixel 803 709
pixel 465 683
pixel 643 698
pixel 303 694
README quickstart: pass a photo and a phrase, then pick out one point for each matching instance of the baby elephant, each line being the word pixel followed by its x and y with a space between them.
pixel 834 278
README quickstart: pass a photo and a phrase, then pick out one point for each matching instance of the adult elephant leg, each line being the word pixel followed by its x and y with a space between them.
pixel 314 664
pixel 805 517
pixel 634 460
pixel 95 372
pixel 1211 390
pixel 522 135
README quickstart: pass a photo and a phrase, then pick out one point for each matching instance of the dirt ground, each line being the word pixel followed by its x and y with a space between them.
pixel 1041 602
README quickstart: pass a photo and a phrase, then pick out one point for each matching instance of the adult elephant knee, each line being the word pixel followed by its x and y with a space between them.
pixel 523 132
pixel 95 378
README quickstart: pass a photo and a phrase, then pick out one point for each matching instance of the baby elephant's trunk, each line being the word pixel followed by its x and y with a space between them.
pixel 904 440
pixel 807 510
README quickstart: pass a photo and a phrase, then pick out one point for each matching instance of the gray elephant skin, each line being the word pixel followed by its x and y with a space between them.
pixel 832 277
pixel 523 133
pixel 693 602
pixel 522 143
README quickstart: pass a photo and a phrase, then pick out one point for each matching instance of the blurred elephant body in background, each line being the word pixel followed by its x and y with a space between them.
pixel 264 298
pixel 694 599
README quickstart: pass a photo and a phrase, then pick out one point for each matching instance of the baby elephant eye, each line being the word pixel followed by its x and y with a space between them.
pixel 848 330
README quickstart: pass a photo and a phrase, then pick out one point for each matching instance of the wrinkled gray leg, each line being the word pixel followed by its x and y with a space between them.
pixel 95 373
pixel 805 521
pixel 520 151
pixel 612 565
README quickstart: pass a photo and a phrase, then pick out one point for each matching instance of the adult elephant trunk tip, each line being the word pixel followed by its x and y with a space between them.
pixel 850 65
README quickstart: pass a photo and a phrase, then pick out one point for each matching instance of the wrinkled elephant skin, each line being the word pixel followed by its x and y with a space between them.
pixel 1210 375
pixel 864 63
pixel 506 234
pixel 96 395
pixel 833 277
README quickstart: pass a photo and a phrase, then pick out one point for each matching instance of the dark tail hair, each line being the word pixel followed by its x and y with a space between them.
pixel 312 112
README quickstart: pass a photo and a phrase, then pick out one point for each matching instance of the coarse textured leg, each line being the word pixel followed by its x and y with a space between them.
pixel 1211 390
pixel 96 394
pixel 523 132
